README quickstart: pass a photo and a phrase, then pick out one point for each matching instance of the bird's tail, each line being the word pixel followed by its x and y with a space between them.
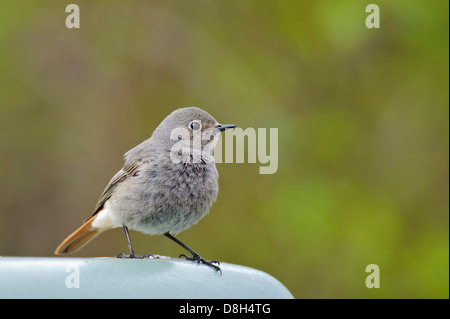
pixel 79 238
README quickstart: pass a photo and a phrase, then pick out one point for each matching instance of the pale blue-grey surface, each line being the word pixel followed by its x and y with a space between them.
pixel 37 277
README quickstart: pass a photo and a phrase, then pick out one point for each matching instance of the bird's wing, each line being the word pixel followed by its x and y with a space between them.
pixel 129 170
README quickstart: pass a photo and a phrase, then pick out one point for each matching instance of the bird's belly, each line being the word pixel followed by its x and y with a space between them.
pixel 163 208
pixel 161 216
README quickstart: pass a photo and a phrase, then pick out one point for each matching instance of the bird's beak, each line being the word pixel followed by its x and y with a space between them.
pixel 223 127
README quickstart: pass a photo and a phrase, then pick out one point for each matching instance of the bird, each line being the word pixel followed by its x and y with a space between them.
pixel 167 184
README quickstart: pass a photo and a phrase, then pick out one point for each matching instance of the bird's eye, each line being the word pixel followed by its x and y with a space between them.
pixel 195 125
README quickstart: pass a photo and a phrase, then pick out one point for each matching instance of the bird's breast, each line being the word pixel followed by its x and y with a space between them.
pixel 173 197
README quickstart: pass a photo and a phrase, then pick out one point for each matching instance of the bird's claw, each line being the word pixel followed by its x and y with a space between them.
pixel 135 256
pixel 198 259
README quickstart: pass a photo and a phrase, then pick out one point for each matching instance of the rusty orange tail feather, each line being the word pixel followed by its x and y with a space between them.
pixel 78 238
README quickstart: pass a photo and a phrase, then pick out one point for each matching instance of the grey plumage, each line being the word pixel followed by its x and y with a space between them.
pixel 167 183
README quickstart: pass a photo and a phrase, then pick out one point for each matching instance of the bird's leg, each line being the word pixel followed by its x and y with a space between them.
pixel 132 253
pixel 195 257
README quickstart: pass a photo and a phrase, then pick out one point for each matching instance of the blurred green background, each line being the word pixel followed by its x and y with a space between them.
pixel 362 116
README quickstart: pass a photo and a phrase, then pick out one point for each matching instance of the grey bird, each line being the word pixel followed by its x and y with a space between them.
pixel 167 184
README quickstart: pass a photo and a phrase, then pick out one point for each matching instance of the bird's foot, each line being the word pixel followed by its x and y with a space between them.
pixel 198 259
pixel 133 255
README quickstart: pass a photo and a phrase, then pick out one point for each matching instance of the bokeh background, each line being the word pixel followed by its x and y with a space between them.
pixel 362 116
